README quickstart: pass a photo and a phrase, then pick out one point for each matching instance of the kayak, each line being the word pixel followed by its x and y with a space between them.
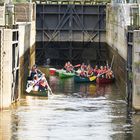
pixel 64 74
pixel 79 79
pixel 59 71
pixel 35 90
pixel 101 80
pixel 38 93
pixel 52 71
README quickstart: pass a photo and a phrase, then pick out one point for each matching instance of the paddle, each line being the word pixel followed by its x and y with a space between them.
pixel 49 88
pixel 78 65
pixel 112 62
pixel 92 78
pixel 28 90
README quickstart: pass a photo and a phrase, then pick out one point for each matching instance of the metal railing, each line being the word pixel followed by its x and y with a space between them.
pixel 65 1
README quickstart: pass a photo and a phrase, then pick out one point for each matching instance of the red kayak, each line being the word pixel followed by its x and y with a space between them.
pixel 101 80
pixel 52 71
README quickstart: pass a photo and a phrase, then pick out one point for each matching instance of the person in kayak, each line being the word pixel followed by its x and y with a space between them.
pixel 101 70
pixel 83 73
pixel 83 67
pixel 36 82
pixel 43 84
pixel 89 70
pixel 109 74
pixel 34 71
pixel 65 66
pixel 95 70
pixel 68 67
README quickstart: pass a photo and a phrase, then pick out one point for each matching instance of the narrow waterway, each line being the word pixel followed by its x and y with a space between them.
pixel 74 112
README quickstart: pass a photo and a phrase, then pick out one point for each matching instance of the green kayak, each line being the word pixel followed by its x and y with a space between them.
pixel 59 71
pixel 64 74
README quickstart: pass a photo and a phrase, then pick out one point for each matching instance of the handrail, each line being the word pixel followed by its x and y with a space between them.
pixel 74 2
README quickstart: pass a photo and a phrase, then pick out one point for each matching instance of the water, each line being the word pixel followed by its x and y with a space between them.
pixel 75 112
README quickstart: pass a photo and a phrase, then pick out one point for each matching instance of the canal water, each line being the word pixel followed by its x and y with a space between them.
pixel 74 112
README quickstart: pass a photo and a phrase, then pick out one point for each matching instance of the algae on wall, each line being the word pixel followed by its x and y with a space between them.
pixel 21 1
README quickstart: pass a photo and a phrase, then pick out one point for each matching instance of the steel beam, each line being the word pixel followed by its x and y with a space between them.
pixel 70 23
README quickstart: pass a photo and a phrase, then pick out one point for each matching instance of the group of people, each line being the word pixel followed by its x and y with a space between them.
pixel 88 70
pixel 38 79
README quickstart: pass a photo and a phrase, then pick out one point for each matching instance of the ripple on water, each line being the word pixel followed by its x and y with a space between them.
pixel 71 116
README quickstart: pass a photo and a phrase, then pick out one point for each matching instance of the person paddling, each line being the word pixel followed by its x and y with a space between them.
pixel 43 84
pixel 36 82
pixel 101 70
pixel 95 70
pixel 89 70
pixel 68 67
pixel 109 74
pixel 83 67
pixel 34 71
pixel 65 66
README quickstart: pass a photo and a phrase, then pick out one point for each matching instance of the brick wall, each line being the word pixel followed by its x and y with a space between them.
pixel 24 12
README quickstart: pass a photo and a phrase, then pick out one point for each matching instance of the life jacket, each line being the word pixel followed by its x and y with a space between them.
pixel 95 71
pixel 83 67
pixel 105 70
pixel 42 83
pixel 82 73
pixel 90 71
pixel 100 71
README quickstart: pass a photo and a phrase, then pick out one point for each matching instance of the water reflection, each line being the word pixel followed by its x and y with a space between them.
pixel 5 125
pixel 75 112
pixel 86 89
pixel 136 126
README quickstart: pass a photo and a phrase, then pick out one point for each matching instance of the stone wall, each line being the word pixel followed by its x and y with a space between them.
pixel 2 14
pixel 136 69
pixel 25 12
pixel 25 18
pixel 119 68
pixel 27 52
pixel 6 68
pixel 26 43
pixel 117 20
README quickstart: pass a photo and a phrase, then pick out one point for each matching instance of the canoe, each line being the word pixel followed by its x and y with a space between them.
pixel 101 80
pixel 35 90
pixel 64 74
pixel 38 93
pixel 79 79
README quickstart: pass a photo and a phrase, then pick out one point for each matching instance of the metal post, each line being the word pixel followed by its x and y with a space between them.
pixel 129 70
pixel 99 44
pixel 70 32
pixel 139 13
